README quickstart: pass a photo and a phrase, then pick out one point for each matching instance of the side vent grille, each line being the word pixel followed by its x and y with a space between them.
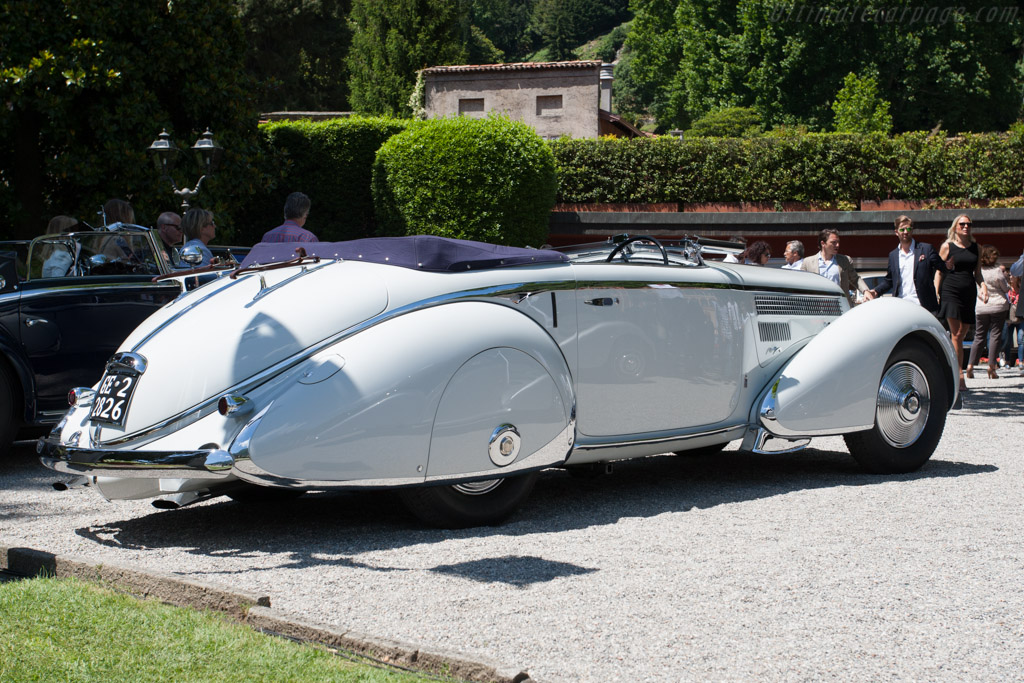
pixel 773 332
pixel 778 304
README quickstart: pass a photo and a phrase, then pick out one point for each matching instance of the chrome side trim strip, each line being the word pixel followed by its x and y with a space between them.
pixel 601 445
pixel 28 294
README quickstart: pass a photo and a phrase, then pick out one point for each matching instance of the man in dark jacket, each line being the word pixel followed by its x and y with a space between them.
pixel 912 267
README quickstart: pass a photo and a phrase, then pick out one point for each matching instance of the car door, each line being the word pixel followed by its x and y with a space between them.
pixel 71 322
pixel 660 348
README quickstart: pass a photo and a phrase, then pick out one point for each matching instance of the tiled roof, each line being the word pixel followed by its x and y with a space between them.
pixel 517 66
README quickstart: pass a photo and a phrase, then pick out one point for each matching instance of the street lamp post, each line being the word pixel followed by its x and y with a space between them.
pixel 165 155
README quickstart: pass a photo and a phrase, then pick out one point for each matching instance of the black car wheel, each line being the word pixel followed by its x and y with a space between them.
pixel 910 413
pixel 471 504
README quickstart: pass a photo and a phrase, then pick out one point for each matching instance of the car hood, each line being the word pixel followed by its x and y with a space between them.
pixel 220 334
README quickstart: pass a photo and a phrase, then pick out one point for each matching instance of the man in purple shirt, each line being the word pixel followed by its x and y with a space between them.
pixel 296 210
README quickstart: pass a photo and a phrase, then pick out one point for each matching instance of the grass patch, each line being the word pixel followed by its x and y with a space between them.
pixel 69 630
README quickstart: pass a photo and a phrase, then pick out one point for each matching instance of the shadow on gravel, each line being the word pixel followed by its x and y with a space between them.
pixel 992 402
pixel 515 570
pixel 333 528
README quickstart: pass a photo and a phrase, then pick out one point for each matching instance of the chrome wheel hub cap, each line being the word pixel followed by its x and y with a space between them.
pixel 477 488
pixel 903 404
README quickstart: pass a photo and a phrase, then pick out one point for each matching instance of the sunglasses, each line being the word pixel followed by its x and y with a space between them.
pixel 904 230
pixel 964 225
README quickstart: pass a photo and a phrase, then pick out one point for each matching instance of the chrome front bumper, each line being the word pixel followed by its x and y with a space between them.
pixel 200 464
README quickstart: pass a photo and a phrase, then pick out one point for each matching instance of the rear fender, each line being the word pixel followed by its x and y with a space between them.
pixel 412 395
pixel 830 386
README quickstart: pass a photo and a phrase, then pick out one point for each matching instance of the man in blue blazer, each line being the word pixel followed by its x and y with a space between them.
pixel 912 267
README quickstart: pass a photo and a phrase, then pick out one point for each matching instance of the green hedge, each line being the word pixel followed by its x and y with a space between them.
pixel 331 161
pixel 437 175
pixel 814 168
pixel 487 179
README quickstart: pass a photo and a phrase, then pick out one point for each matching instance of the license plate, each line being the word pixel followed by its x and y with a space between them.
pixel 113 398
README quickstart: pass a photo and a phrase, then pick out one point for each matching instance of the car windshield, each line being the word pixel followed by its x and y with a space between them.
pixel 88 254
pixel 639 249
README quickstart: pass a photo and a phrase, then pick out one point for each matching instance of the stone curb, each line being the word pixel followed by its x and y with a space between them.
pixel 147 584
pixel 254 611
pixel 445 662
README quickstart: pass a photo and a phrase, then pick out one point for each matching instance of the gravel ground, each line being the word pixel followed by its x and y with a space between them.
pixel 734 567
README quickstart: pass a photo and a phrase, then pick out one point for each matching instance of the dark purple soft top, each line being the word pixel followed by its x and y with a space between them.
pixel 420 252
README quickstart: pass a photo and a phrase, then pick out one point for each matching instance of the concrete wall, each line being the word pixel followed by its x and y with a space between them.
pixel 555 102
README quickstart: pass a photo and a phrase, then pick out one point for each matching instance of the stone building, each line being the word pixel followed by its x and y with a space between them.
pixel 556 98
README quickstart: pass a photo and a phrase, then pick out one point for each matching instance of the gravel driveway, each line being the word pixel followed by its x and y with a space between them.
pixel 734 567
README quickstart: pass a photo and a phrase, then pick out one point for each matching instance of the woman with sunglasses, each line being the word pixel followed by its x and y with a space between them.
pixel 199 230
pixel 958 288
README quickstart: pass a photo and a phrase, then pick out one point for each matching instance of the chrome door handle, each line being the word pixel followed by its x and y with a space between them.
pixel 604 301
pixel 32 322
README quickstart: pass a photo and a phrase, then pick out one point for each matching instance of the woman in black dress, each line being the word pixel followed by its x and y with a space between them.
pixel 958 287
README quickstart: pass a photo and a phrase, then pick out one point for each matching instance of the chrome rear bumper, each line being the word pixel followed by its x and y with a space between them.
pixel 200 464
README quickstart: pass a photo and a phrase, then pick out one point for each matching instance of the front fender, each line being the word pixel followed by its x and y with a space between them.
pixel 21 371
pixel 408 398
pixel 830 386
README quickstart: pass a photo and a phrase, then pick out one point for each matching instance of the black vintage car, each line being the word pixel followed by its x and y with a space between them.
pixel 66 302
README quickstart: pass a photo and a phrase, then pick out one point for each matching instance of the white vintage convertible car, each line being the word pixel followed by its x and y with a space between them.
pixel 454 371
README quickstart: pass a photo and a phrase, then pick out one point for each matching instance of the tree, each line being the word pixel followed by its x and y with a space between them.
pixel 392 41
pixel 728 122
pixel 958 65
pixel 564 24
pixel 298 50
pixel 858 107
pixel 87 86
pixel 656 48
pixel 489 179
pixel 508 25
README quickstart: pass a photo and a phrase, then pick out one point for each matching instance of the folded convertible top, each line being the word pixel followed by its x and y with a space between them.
pixel 420 252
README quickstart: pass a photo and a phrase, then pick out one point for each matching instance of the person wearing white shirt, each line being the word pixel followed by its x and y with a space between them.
pixel 830 264
pixel 794 255
pixel 912 266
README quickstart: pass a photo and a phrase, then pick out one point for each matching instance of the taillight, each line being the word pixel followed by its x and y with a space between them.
pixel 233 404
pixel 81 396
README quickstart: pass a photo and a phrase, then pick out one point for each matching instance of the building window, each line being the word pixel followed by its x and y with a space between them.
pixel 471 107
pixel 549 105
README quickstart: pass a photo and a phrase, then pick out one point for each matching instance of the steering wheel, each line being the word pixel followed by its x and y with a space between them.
pixel 638 238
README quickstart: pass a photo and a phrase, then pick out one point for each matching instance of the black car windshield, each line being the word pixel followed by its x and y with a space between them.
pixel 92 254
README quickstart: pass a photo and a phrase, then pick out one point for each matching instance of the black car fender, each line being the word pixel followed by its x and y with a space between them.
pixel 20 371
